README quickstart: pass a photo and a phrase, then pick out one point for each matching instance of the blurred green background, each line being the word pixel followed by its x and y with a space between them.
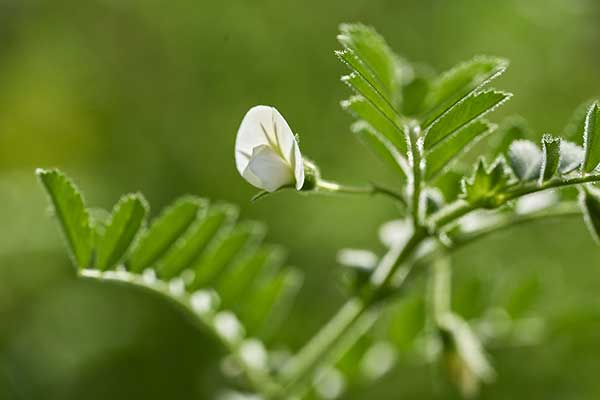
pixel 129 95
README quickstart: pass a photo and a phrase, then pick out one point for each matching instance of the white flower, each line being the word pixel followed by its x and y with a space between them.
pixel 266 152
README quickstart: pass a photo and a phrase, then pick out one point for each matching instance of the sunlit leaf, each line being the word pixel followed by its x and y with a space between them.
pixel 189 247
pixel 380 146
pixel 485 183
pixel 462 114
pixel 575 127
pixel 591 139
pixel 589 199
pixel 371 50
pixel 459 82
pixel 71 213
pixel 164 232
pixel 442 156
pixel 363 109
pixel 550 157
pixel 125 221
pixel 362 87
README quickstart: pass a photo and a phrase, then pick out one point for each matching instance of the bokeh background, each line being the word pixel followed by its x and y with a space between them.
pixel 129 95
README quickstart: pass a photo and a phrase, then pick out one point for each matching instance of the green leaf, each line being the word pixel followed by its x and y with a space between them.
pixel 191 245
pixel 270 301
pixel 575 127
pixel 124 223
pixel 485 183
pixel 414 94
pixel 525 159
pixel 380 146
pixel 442 156
pixel 363 109
pixel 459 82
pixel 571 157
pixel 223 251
pixel 372 52
pixel 360 86
pixel 462 114
pixel 550 157
pixel 71 213
pixel 589 200
pixel 591 139
pixel 164 232
pixel 238 280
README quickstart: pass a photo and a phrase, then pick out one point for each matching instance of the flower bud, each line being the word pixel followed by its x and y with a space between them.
pixel 267 154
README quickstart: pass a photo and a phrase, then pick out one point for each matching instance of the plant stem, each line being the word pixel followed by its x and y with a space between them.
pixel 322 347
pixel 318 349
pixel 417 174
pixel 372 189
pixel 570 209
pixel 533 187
pixel 450 213
pixel 459 208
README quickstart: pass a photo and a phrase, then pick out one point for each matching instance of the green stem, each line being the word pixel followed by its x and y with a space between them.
pixel 570 209
pixel 322 347
pixel 372 189
pixel 417 174
pixel 450 213
pixel 533 187
pixel 459 208
pixel 317 351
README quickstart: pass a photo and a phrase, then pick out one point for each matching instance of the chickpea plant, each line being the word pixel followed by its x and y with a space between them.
pixel 427 129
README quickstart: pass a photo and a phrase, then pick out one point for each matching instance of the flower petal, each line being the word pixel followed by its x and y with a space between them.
pixel 267 170
pixel 264 125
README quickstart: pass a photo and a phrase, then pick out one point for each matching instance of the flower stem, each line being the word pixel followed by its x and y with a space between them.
pixel 372 189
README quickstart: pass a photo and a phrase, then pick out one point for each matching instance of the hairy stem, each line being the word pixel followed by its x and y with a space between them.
pixel 417 174
pixel 372 189
pixel 321 348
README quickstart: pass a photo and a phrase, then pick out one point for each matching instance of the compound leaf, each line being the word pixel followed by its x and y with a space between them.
pixel 163 232
pixel 195 240
pixel 459 82
pixel 372 53
pixel 442 156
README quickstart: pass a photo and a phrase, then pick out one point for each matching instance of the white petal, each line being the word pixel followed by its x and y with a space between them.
pixel 267 170
pixel 264 125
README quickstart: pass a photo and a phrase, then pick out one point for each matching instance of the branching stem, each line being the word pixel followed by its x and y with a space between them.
pixel 320 349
